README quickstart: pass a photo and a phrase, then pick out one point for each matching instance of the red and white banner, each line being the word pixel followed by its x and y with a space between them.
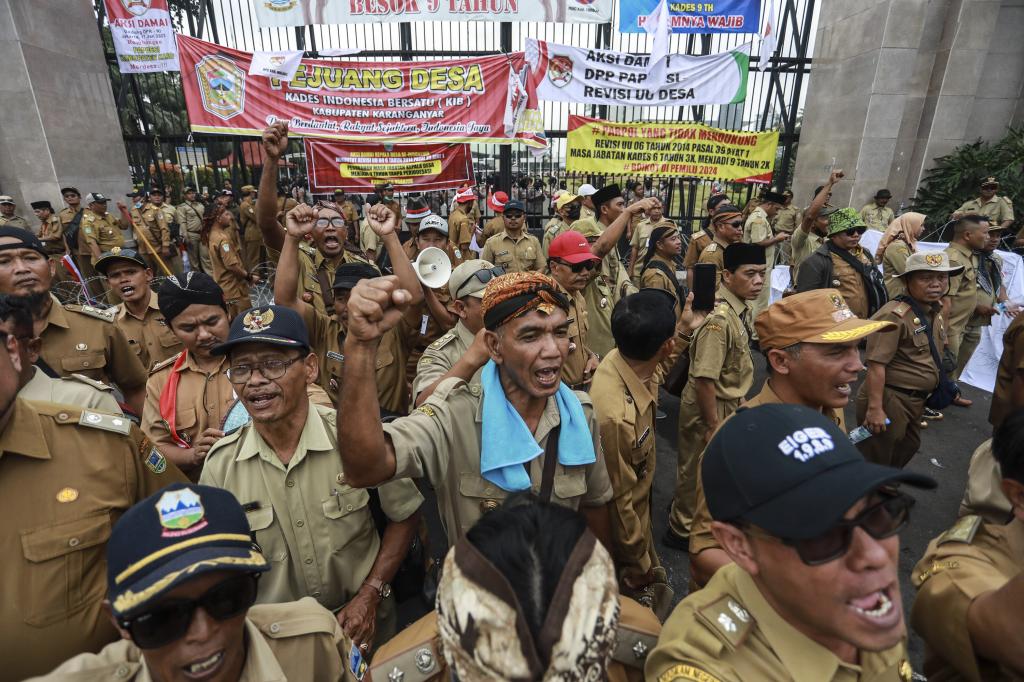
pixel 454 100
pixel 354 167
pixel 143 35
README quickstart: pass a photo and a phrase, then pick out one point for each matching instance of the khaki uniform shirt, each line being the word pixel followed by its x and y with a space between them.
pixel 316 530
pixel 720 350
pixel 14 221
pixel 587 212
pixel 51 233
pixel 154 219
pixel 416 654
pixel 294 641
pixel 728 631
pixel 440 356
pixel 189 215
pixel 642 234
pixel 699 241
pixel 785 219
pixel 461 227
pixel 368 239
pixel 77 389
pixel 555 227
pixel 601 294
pixel 150 336
pixel 579 352
pixel 1010 363
pixel 441 441
pixel 515 255
pixel 700 529
pixel 100 230
pixel 81 339
pixel 203 401
pixel 66 215
pixel 654 278
pixel 493 227
pixel 247 221
pixel 905 352
pixel 66 476
pixel 968 560
pixel 757 229
pixel 804 244
pixel 997 209
pixel 714 252
pixel 849 282
pixel 963 288
pixel 877 217
pixel 328 340
pixel 894 262
pixel 225 252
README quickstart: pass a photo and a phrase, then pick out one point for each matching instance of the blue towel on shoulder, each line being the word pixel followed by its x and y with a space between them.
pixel 508 443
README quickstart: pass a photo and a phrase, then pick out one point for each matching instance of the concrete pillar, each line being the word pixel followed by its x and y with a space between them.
pixel 59 124
pixel 897 83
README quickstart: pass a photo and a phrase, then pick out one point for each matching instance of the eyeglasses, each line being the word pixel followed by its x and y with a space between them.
pixel 270 369
pixel 881 520
pixel 577 268
pixel 738 224
pixel 171 619
pixel 482 276
pixel 855 231
pixel 336 222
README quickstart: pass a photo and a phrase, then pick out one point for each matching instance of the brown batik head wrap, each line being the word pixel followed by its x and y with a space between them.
pixel 517 293
pixel 485 636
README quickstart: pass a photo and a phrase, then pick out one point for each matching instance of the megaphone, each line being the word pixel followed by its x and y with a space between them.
pixel 433 267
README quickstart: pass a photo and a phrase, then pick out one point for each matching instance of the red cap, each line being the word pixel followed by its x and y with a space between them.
pixel 572 247
pixel 497 201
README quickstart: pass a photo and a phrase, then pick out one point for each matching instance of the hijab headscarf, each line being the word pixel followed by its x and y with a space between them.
pixel 902 228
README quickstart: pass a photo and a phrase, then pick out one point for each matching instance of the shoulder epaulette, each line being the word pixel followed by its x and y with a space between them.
pixel 443 341
pixel 901 309
pixel 91 311
pixel 637 633
pixel 302 617
pixel 105 422
pixel 443 390
pixel 728 619
pixel 713 246
pixel 93 383
pixel 165 363
pixel 962 531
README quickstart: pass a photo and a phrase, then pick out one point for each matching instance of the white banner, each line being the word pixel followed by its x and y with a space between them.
pixel 563 73
pixel 282 64
pixel 143 35
pixel 272 13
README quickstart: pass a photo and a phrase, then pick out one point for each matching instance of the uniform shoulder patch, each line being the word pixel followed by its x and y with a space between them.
pixel 155 461
pixel 443 341
pixel 685 671
pixel 963 530
pixel 93 383
pixel 91 311
pixel 165 363
pixel 901 309
pixel 711 248
pixel 294 619
pixel 105 422
pixel 727 618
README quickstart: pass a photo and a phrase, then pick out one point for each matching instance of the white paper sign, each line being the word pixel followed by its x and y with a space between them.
pixel 143 35
pixel 281 64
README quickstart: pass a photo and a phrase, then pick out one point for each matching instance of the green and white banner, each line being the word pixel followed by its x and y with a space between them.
pixel 563 73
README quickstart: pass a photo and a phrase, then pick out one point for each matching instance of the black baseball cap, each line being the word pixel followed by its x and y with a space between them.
pixel 789 470
pixel 118 253
pixel 25 239
pixel 173 536
pixel 347 275
pixel 514 205
pixel 274 325
pixel 774 197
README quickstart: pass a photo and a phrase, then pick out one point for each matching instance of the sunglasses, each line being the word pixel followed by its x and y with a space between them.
pixel 855 231
pixel 171 619
pixel 738 224
pixel 482 276
pixel 881 520
pixel 577 268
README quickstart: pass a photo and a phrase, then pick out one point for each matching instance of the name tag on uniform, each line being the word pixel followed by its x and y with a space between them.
pixel 643 436
pixel 423 325
pixel 921 329
pixel 334 355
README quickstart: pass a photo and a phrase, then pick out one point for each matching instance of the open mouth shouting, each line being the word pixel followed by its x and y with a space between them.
pixel 879 608
pixel 205 668
pixel 548 377
pixel 260 400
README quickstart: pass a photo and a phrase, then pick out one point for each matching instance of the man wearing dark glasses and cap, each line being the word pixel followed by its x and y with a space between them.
pixel 182 577
pixel 812 529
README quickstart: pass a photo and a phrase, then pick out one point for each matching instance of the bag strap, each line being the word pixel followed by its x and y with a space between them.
pixel 664 269
pixel 326 291
pixel 928 330
pixel 547 480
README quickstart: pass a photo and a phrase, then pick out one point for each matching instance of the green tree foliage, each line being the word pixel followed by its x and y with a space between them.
pixel 955 178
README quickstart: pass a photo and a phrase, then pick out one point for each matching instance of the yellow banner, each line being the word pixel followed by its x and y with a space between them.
pixel 669 150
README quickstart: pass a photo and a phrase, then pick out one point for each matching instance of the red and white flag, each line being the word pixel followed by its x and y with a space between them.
pixel 769 40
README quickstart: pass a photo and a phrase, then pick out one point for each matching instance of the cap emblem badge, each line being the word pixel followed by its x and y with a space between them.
pixel 181 512
pixel 933 259
pixel 256 321
pixel 805 444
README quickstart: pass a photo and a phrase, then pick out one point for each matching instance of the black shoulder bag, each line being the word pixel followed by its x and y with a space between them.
pixel 71 233
pixel 874 282
pixel 947 390
pixel 667 271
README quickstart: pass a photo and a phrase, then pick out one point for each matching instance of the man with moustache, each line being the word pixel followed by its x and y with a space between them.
pixel 520 429
pixel 841 263
pixel 727 225
pixel 76 339
pixel 810 343
pixel 284 469
pixel 812 529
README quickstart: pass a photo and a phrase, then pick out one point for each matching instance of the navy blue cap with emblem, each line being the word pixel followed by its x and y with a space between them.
pixel 173 536
pixel 115 254
pixel 274 325
pixel 789 470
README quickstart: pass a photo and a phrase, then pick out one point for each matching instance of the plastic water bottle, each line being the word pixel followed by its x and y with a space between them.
pixel 863 433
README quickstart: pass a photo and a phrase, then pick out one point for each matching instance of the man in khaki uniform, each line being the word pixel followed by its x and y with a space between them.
pixel 827 268
pixel 901 372
pixel 567 213
pixel 252 240
pixel 638 243
pixel 586 193
pixel 968 581
pixel 610 283
pixel 156 218
pixel 758 230
pixel 8 215
pixel 810 342
pixel 75 339
pixel 66 475
pixel 991 293
pixel 99 232
pixel 51 234
pixel 450 438
pixel 721 373
pixel 1009 375
pixel 969 237
pixel 189 215
pixel 571 264
pixel 138 315
pixel 331 550
pixel 461 225
pixel 217 567
pixel 877 215
pixel 327 334
pixel 999 210
pixel 496 202
pixel 514 249
pixel 786 220
pixel 803 600
pixel 727 225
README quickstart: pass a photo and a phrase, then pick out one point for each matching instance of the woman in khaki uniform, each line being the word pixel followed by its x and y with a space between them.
pixel 898 242
pixel 658 272
pixel 226 255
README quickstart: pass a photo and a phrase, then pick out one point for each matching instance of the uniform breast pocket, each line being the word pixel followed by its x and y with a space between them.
pixel 570 483
pixel 385 356
pixel 268 534
pixel 83 363
pixel 67 568
pixel 347 516
pixel 503 259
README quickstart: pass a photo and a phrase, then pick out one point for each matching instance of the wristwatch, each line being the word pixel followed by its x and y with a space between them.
pixel 382 589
